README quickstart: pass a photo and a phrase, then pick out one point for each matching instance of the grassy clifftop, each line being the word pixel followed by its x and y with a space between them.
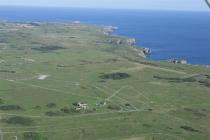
pixel 71 81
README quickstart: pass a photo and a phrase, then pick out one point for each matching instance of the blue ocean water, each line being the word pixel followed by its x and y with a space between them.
pixel 170 34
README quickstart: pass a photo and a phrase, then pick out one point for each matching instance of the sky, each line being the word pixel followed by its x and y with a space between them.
pixel 115 4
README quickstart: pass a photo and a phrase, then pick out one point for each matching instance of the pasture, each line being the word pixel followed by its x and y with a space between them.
pixel 47 69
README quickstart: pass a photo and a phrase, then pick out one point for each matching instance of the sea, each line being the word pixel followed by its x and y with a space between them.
pixel 170 34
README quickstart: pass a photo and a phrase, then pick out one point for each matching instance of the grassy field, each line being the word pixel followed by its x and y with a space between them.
pixel 48 69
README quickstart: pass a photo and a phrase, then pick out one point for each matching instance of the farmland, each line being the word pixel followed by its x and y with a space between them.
pixel 67 81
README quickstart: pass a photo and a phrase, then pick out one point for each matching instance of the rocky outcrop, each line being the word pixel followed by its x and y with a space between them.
pixel 109 29
pixel 147 51
pixel 139 52
pixel 118 41
pixel 122 41
pixel 131 41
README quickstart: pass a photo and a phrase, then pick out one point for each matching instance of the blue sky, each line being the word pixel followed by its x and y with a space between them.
pixel 116 4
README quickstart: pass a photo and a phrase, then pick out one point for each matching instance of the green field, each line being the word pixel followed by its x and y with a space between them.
pixel 48 69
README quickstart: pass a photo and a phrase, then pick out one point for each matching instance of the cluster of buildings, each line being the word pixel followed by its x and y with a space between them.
pixel 81 105
pixel 178 61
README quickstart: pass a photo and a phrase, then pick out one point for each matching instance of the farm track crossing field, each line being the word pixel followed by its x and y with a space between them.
pixel 67 81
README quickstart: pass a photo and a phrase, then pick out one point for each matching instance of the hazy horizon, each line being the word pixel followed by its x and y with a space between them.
pixel 191 5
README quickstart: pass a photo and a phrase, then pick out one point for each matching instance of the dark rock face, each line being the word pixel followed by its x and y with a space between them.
pixel 147 51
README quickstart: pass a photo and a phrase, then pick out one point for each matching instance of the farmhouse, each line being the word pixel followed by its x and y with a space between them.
pixel 178 61
pixel 81 105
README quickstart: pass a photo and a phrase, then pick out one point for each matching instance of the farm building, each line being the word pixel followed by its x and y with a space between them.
pixel 178 61
pixel 81 105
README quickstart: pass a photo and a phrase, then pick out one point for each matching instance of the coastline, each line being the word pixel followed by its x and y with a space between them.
pixel 167 37
pixel 148 52
pixel 113 31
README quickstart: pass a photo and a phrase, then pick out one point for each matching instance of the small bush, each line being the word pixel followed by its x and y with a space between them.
pixel 51 105
pixel 205 83
pixel 19 120
pixel 48 48
pixel 198 113
pixel 190 79
pixel 70 110
pixel 176 79
pixel 188 128
pixel 1 101
pixel 89 110
pixel 102 81
pixel 51 113
pixel 113 107
pixel 10 107
pixel 37 107
pixel 207 76
pixel 127 104
pixel 33 136
pixel 75 104
pixel 66 110
pixel 150 109
pixel 115 76
pixel 7 71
